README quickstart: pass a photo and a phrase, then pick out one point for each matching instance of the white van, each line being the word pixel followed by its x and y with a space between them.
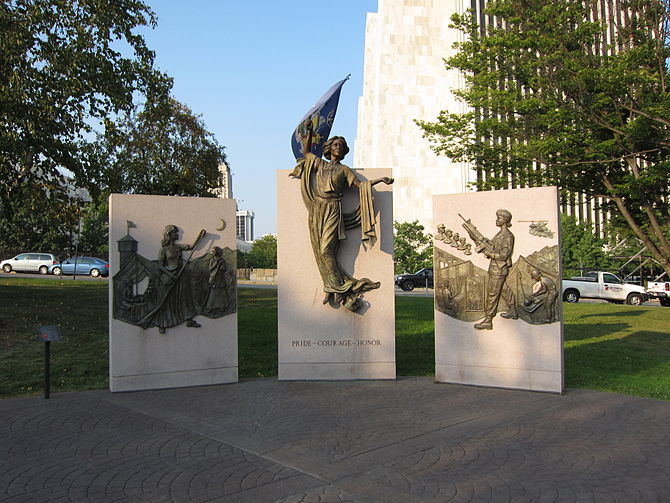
pixel 29 262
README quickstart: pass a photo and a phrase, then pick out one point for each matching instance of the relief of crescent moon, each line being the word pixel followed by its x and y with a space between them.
pixel 223 225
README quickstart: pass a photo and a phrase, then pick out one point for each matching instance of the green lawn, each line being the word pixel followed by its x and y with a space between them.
pixel 257 332
pixel 79 360
pixel 618 348
pixel 415 336
pixel 608 347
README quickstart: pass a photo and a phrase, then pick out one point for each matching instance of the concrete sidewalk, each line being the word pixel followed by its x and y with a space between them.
pixel 261 440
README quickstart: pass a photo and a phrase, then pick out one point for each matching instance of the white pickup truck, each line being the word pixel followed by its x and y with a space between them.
pixel 602 285
pixel 660 290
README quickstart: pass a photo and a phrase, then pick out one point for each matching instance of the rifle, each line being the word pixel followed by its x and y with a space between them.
pixel 481 243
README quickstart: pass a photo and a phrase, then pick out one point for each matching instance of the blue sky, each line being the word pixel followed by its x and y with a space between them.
pixel 252 69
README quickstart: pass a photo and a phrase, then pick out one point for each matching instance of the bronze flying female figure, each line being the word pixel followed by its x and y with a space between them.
pixel 323 185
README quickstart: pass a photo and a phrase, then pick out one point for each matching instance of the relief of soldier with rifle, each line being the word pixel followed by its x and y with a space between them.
pixel 499 250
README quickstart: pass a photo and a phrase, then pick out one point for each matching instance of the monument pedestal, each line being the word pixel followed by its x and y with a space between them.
pixel 525 349
pixel 322 342
pixel 143 358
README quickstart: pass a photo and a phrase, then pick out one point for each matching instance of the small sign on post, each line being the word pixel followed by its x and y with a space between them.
pixel 46 334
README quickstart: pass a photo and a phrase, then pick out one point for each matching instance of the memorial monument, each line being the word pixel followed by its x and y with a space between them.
pixel 335 266
pixel 497 309
pixel 173 305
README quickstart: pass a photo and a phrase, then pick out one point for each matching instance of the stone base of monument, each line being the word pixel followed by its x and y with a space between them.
pixel 522 345
pixel 330 342
pixel 184 354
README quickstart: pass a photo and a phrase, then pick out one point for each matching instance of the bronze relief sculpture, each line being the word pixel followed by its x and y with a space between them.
pixel 323 183
pixel 466 291
pixel 543 295
pixel 173 289
pixel 498 250
pixel 175 304
pixel 539 228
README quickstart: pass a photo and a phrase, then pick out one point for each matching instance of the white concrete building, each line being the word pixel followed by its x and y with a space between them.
pixel 405 79
pixel 225 189
pixel 245 225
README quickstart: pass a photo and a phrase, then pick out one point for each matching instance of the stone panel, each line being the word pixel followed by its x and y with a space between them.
pixel 320 342
pixel 182 356
pixel 526 352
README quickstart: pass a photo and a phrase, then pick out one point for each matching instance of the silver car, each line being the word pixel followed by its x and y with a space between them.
pixel 29 262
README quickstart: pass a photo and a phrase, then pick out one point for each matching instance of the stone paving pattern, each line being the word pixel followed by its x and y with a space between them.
pixel 262 440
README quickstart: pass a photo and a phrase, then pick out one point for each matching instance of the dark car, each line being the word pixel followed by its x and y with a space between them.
pixel 423 277
pixel 84 266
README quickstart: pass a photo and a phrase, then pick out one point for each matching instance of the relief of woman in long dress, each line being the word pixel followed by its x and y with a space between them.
pixel 173 285
pixel 323 183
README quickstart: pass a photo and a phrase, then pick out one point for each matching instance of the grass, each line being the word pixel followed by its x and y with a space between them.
pixel 608 347
pixel 415 336
pixel 618 348
pixel 257 332
pixel 79 361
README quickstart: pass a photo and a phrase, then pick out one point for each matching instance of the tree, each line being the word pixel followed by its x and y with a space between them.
pixel 94 232
pixel 580 248
pixel 263 253
pixel 242 262
pixel 562 93
pixel 46 224
pixel 62 75
pixel 412 248
pixel 162 149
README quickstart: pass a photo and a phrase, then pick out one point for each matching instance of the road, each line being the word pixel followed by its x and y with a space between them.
pixel 417 292
pixel 423 292
pixel 50 276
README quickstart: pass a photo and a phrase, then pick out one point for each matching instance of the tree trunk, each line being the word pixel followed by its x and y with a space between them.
pixel 662 258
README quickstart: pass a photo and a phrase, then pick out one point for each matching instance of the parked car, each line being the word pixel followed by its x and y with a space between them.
pixel 659 290
pixel 423 277
pixel 602 285
pixel 29 262
pixel 84 266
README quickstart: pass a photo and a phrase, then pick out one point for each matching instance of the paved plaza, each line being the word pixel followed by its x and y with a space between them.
pixel 261 440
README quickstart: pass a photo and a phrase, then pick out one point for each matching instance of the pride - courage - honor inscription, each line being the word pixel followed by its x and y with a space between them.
pixel 329 343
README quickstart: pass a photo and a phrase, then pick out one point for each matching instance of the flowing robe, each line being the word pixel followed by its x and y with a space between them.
pixel 174 287
pixel 322 186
